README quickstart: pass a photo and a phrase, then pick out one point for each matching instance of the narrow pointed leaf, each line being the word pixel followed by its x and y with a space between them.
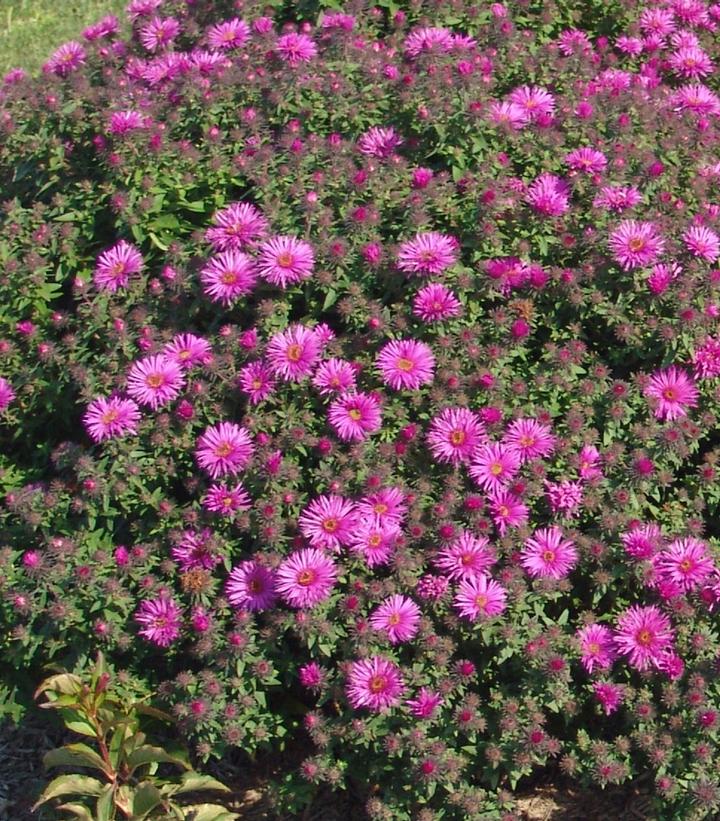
pixel 81 813
pixel 72 755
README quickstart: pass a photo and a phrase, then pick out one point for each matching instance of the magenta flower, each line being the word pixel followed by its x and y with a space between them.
pixel 609 695
pixel 387 505
pixel 636 244
pixel 223 449
pixel 698 99
pixel 455 434
pixel 306 578
pixel 142 8
pixel 425 703
pixel 155 381
pixel 706 359
pixel 530 438
pixel 115 266
pixel 643 541
pixel 428 253
pixel 537 102
pixel 374 540
pixel 256 381
pixel 702 242
pixel 617 198
pixel 329 522
pixel 229 34
pixel 226 500
pixel 354 416
pixel 507 510
pixel 7 394
pixel 428 39
pixel 312 676
pixel 125 122
pixel 379 142
pixel 334 376
pixel 435 303
pixel 673 392
pixel 505 113
pixel 494 465
pixel 406 364
pixel 564 497
pixel 294 353
pixel 549 195
pixel 159 33
pixel 251 586
pixel 236 227
pixel 66 59
pixel 375 683
pixel 480 597
pixel 587 160
pixel 548 554
pixel 295 48
pixel 466 557
pixel 161 620
pixel 589 458
pixel 398 617
pixel 229 275
pixel 597 647
pixel 285 261
pixel 686 562
pixel 107 418
pixel 195 551
pixel 691 63
pixel 643 634
pixel 188 350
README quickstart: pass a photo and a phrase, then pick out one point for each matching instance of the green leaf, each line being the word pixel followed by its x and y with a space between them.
pixel 147 797
pixel 208 812
pixel 195 781
pixel 72 755
pixel 65 683
pixel 105 807
pixel 153 755
pixel 68 784
pixel 82 813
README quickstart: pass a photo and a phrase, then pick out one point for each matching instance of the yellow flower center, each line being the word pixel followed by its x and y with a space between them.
pixel 404 364
pixel 294 352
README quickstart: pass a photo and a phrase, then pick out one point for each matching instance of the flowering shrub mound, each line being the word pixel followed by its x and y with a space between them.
pixel 360 384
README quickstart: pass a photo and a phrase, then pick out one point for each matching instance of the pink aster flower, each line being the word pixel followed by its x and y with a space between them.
pixel 375 683
pixel 406 364
pixel 455 434
pixel 125 122
pixel 354 416
pixel 549 195
pixel 702 242
pixel 285 261
pixel 379 142
pixel 706 359
pixel 329 522
pixel 673 391
pixel 387 505
pixel 597 647
pixel 225 500
pixel 334 376
pixel 643 634
pixel 66 59
pixel 480 597
pixel 295 48
pixel 548 554
pixel 188 350
pixel 588 160
pixel 115 266
pixel 636 244
pixel 159 33
pixel 161 620
pixel 428 39
pixel 229 34
pixel 617 198
pixel 435 303
pixel 107 27
pixel 312 676
pixel 589 459
pixel 142 8
pixel 609 695
pixel 686 562
pixel 510 115
pixel 661 276
pixel 7 394
pixel 256 381
pixel 306 577
pixel 155 381
pixel 236 227
pixel 195 551
pixel 223 449
pixel 494 465
pixel 564 497
pixel 530 438
pixel 690 63
pixel 428 253
pixel 251 586
pixel 229 275
pixel 294 353
pixel 466 557
pixel 398 617
pixel 643 542
pixel 374 540
pixel 697 99
pixel 507 510
pixel 107 418
pixel 425 703
pixel 537 102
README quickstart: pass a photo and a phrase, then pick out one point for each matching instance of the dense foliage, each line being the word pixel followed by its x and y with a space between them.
pixel 359 387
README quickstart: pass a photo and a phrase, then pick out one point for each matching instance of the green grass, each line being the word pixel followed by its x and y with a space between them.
pixel 30 30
